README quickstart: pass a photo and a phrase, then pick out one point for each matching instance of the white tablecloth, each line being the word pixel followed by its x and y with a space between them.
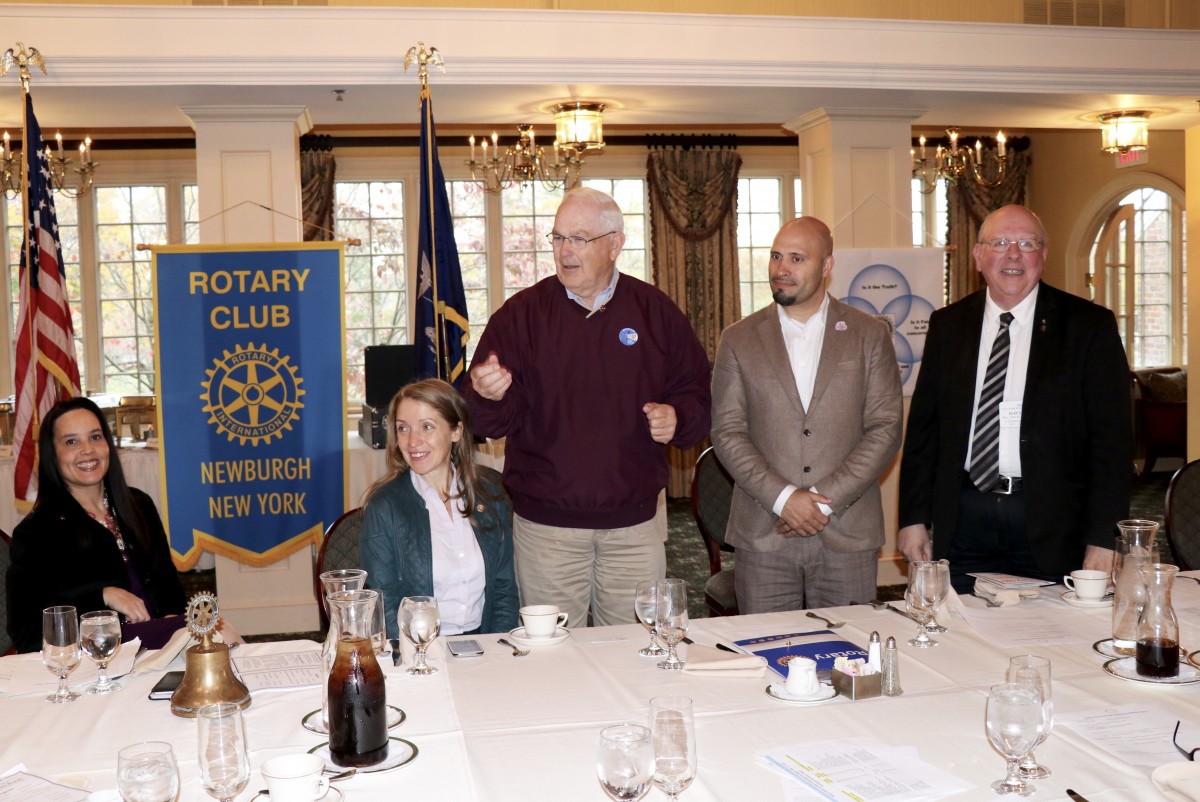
pixel 503 728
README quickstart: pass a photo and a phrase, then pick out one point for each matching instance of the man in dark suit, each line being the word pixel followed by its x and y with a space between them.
pixel 1019 447
pixel 807 412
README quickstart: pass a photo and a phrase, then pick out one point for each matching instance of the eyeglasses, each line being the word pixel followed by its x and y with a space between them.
pixel 1002 245
pixel 1175 740
pixel 556 240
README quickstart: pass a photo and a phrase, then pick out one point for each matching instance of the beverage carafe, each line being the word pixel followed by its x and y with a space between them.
pixel 356 695
pixel 1158 628
pixel 1134 547
pixel 331 582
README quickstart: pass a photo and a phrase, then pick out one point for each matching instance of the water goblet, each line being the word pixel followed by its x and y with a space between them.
pixel 673 726
pixel 625 761
pixel 420 624
pixel 60 648
pixel 943 572
pixel 1014 724
pixel 1033 670
pixel 645 602
pixel 224 764
pixel 920 598
pixel 671 618
pixel 100 639
pixel 146 772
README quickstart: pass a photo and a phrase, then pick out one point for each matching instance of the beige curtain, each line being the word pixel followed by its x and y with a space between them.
pixel 317 173
pixel 693 236
pixel 969 203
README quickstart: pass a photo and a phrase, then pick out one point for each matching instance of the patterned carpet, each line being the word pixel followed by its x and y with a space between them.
pixel 687 559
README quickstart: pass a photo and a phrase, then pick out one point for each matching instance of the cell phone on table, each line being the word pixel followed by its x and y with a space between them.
pixel 464 648
pixel 166 685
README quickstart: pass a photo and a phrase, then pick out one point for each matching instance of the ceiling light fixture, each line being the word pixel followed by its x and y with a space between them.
pixel 579 128
pixel 953 162
pixel 1124 131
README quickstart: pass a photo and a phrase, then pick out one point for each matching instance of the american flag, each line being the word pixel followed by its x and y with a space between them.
pixel 46 368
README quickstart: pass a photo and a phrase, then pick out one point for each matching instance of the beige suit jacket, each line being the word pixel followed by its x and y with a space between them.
pixel 841 444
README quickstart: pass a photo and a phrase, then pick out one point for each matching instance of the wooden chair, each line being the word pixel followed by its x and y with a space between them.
pixel 134 411
pixel 712 494
pixel 339 549
pixel 1183 515
pixel 6 644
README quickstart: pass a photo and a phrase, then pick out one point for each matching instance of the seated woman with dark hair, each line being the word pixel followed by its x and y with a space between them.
pixel 91 541
pixel 437 524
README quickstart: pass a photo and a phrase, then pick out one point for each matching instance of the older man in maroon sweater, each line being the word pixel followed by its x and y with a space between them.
pixel 587 373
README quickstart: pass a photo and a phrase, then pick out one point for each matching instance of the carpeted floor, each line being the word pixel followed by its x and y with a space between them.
pixel 687 559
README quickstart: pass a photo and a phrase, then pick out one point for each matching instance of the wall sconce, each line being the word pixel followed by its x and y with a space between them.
pixel 1124 131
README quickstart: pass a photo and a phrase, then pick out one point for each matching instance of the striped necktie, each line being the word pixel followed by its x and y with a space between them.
pixel 985 445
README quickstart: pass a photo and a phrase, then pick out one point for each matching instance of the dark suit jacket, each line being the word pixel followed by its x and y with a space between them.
pixel 1076 435
pixel 841 444
pixel 62 556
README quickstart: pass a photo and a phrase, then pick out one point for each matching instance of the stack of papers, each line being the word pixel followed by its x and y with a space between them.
pixel 858 770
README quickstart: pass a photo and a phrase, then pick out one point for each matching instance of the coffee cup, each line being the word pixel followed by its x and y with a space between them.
pixel 541 620
pixel 802 677
pixel 1088 585
pixel 295 778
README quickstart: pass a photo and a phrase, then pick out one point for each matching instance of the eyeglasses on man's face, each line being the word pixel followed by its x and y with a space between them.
pixel 1001 245
pixel 1175 740
pixel 556 240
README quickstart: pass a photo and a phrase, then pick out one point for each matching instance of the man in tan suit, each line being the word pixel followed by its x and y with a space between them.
pixel 806 416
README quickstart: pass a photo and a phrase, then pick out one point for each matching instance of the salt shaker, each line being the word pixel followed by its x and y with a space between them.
pixel 873 656
pixel 891 669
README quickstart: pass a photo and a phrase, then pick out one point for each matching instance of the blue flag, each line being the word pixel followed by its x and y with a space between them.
pixel 442 330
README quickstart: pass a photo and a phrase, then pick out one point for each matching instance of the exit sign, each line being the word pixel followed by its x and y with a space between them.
pixel 1133 157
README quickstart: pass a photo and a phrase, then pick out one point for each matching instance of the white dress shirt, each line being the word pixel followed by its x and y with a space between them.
pixel 803 342
pixel 1020 335
pixel 458 573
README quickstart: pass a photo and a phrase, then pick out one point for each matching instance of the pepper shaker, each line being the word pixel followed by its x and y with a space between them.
pixel 891 669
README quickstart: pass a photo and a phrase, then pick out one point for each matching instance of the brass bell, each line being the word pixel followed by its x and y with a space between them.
pixel 208 673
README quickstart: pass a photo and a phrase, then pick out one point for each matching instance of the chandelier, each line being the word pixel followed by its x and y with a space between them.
pixel 953 162
pixel 578 126
pixel 1124 131
pixel 61 167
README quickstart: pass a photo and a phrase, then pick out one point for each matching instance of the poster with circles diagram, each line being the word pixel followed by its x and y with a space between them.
pixel 899 286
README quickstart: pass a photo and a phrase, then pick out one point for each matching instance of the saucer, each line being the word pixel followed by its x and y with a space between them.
pixel 1105 648
pixel 1070 598
pixel 400 753
pixel 777 690
pixel 312 722
pixel 519 637
pixel 1126 668
pixel 334 794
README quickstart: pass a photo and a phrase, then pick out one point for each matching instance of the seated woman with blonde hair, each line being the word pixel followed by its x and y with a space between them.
pixel 438 524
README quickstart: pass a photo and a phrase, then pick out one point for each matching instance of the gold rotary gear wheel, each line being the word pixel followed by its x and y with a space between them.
pixel 252 394
pixel 202 613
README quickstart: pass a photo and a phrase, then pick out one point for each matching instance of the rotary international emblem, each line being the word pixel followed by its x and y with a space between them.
pixel 252 394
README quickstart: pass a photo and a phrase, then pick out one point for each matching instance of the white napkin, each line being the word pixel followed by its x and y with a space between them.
pixel 1007 597
pixel 709 662
pixel 1179 782
pixel 160 659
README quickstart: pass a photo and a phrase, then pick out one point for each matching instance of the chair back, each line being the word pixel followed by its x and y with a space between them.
pixel 339 549
pixel 1183 515
pixel 712 495
pixel 6 644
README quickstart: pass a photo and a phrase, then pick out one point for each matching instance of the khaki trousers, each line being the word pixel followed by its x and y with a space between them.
pixel 578 569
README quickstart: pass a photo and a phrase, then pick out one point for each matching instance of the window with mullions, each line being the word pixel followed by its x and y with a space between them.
pixel 376 285
pixel 67 211
pixel 759 216
pixel 468 207
pixel 126 216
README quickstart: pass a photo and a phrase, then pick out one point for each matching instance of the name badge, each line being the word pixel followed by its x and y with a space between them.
pixel 1010 414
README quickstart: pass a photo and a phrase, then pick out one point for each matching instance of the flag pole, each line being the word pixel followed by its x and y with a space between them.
pixel 426 116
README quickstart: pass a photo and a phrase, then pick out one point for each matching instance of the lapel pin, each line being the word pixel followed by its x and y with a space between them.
pixel 840 325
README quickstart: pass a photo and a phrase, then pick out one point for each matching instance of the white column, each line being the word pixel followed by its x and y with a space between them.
pixel 857 171
pixel 248 158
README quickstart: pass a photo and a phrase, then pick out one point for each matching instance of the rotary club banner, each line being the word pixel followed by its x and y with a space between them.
pixel 251 366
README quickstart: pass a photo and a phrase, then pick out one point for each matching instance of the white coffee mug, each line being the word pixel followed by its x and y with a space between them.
pixel 802 677
pixel 295 778
pixel 541 620
pixel 1088 585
